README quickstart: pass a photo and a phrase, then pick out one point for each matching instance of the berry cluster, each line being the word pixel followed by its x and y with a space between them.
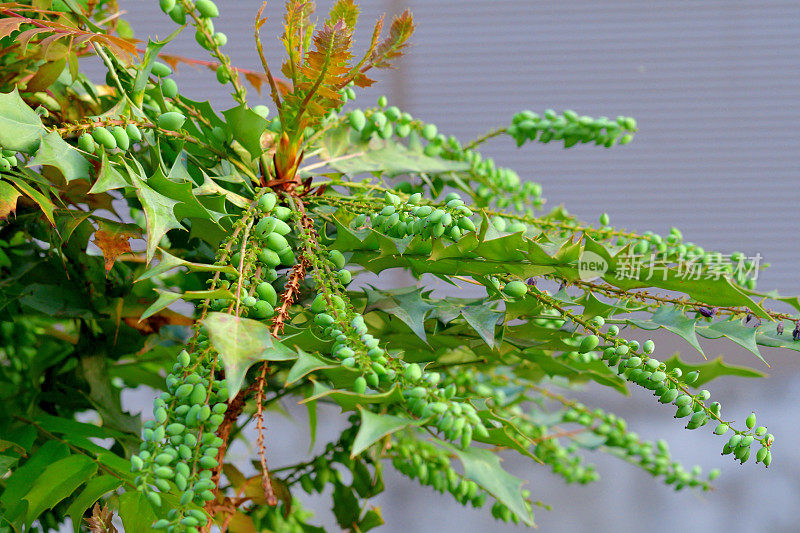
pixel 570 128
pixel 180 447
pixel 400 218
pixel 8 159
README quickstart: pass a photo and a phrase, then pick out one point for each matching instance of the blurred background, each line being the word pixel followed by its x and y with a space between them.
pixel 714 87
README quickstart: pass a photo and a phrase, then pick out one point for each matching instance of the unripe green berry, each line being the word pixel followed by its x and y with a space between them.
pixel 85 143
pixel 750 422
pixel 515 289
pixel 360 385
pixel 169 88
pixel 160 69
pixel 171 121
pixel 588 343
pixel 104 137
pixel 207 8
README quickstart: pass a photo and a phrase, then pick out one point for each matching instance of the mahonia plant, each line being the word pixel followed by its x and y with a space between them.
pixel 122 198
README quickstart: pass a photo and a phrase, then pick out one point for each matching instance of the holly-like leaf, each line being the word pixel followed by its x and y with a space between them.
pixel 8 199
pixel 166 298
pixel 113 239
pixel 57 153
pixel 406 304
pixel 94 490
pixel 159 212
pixel 169 262
pixel 247 127
pixel 734 330
pixel 349 401
pixel 242 342
pixel 376 426
pixel 672 319
pixel 59 480
pixel 711 370
pixel 136 511
pixel 20 127
pixel 483 467
pixel 108 178
pixel 307 363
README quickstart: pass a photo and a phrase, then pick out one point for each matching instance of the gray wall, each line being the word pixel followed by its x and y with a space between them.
pixel 713 86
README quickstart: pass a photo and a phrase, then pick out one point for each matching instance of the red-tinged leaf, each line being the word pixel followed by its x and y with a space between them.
pixel 113 240
pixel 8 199
pixel 9 26
pixel 393 46
pixel 345 10
pixel 255 80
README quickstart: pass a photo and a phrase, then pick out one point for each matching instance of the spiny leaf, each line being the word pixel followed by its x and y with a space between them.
pixel 113 240
pixel 345 10
pixel 483 467
pixel 169 262
pixel 376 426
pixel 93 491
pixel 159 212
pixel 349 400
pixel 20 127
pixel 46 205
pixel 672 319
pixel 57 482
pixel 742 335
pixel 242 342
pixel 711 370
pixel 166 298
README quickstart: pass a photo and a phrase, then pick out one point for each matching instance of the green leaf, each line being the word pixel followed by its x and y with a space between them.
pixel 150 56
pixel 159 212
pixel 93 491
pixel 242 342
pixel 345 506
pixel 770 337
pixel 169 262
pixel 734 330
pixel 386 156
pixel 483 467
pixel 713 369
pixel 406 304
pixel 57 153
pixel 349 400
pixel 43 201
pixel 374 427
pixel 307 363
pixel 20 126
pixel 59 480
pixel 17 485
pixel 108 177
pixel 166 298
pixel 672 319
pixel 247 127
pixel 136 511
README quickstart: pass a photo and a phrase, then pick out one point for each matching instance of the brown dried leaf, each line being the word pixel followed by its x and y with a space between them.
pixel 100 521
pixel 112 239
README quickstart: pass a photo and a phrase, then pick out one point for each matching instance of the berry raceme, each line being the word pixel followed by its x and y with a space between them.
pixel 493 184
pixel 634 364
pixel 570 128
pixel 400 219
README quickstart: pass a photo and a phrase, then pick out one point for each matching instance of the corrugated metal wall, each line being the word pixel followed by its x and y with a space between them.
pixel 714 86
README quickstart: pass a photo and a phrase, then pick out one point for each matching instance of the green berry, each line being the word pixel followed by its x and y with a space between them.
pixel 429 132
pixel 588 344
pixel 360 385
pixel 267 292
pixel 86 143
pixel 123 142
pixel 169 88
pixel 344 276
pixel 178 15
pixel 750 422
pixel 721 429
pixel 207 8
pixel 357 120
pixel 104 137
pixel 167 5
pixel 337 258
pixel 267 202
pixel 515 289
pixel 160 69
pixel 171 121
pixel 133 132
pixel 413 372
